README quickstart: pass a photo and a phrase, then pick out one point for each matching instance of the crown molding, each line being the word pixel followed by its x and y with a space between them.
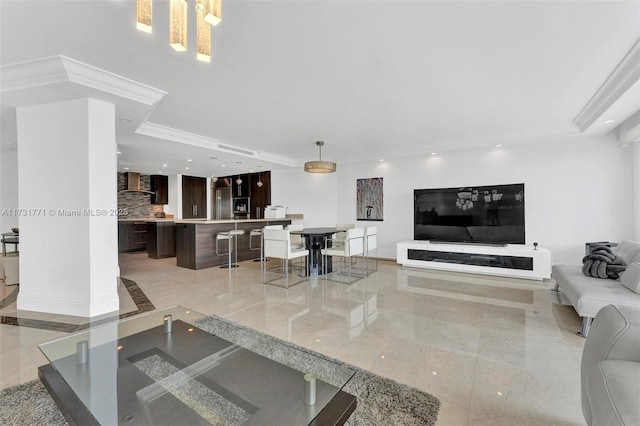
pixel 279 159
pixel 625 75
pixel 628 132
pixel 168 133
pixel 58 72
pixel 58 69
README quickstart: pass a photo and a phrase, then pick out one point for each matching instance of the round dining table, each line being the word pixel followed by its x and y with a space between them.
pixel 315 241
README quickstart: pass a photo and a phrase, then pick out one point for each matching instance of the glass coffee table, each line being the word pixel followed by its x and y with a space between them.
pixel 159 368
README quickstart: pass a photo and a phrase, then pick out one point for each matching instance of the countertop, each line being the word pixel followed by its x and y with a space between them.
pixel 144 219
pixel 212 222
pixel 205 221
pixel 198 221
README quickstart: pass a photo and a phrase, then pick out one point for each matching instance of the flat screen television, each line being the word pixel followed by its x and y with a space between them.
pixel 477 214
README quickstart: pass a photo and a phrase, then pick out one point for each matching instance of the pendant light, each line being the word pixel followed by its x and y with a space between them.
pixel 319 166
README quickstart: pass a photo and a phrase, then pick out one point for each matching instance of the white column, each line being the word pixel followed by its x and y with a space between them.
pixel 67 186
pixel 635 188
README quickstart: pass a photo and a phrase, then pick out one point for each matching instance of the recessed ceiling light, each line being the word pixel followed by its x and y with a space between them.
pixel 609 121
pixel 118 152
pixel 223 165
pixel 159 172
pixel 381 160
pixel 433 153
pixel 186 168
pixel 250 170
pixel 165 165
pixel 126 168
pixel 189 159
pixel 125 120
pixel 498 145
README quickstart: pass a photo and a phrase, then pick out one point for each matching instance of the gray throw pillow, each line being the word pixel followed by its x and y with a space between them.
pixel 631 277
pixel 628 250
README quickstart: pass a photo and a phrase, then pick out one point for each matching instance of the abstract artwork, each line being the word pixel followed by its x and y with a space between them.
pixel 369 199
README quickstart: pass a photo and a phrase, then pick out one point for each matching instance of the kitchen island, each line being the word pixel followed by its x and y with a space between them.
pixel 196 240
pixel 155 235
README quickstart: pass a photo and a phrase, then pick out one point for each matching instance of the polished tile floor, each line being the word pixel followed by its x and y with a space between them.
pixel 495 351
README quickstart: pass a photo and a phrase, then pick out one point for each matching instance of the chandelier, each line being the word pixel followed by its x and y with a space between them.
pixel 208 13
pixel 319 166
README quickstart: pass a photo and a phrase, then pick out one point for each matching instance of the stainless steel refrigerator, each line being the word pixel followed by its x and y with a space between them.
pixel 223 203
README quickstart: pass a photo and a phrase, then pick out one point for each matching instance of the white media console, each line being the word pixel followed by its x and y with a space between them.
pixel 510 260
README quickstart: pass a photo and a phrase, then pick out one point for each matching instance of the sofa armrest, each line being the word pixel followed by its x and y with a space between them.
pixel 614 335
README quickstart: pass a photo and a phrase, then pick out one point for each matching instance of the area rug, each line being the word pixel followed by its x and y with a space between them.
pixel 29 404
pixel 381 401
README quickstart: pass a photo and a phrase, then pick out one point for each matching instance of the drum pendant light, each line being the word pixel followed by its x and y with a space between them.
pixel 319 166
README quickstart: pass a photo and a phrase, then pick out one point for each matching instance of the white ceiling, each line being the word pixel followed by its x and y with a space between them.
pixel 373 79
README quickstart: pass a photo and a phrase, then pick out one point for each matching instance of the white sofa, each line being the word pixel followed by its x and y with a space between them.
pixel 610 368
pixel 9 268
pixel 588 294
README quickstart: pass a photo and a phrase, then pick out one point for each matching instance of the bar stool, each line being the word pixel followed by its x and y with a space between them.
pixel 257 232
pixel 231 238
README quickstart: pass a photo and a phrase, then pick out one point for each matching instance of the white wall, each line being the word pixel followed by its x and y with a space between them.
pixel 8 190
pixel 576 191
pixel 174 200
pixel 313 195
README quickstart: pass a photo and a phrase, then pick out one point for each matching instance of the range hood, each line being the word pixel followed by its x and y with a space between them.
pixel 132 183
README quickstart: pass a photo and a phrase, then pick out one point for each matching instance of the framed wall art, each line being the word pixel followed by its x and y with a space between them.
pixel 369 202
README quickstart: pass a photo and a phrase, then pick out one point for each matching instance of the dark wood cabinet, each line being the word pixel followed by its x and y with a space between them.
pixel 242 190
pixel 160 189
pixel 260 195
pixel 194 197
pixel 161 239
pixel 132 236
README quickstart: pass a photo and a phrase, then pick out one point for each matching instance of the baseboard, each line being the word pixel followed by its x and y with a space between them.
pixel 67 306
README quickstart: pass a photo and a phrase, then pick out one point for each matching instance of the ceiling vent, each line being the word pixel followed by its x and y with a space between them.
pixel 236 150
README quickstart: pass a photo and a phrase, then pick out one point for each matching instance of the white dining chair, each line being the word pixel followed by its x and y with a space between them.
pixel 371 243
pixel 297 242
pixel 277 245
pixel 338 238
pixel 351 248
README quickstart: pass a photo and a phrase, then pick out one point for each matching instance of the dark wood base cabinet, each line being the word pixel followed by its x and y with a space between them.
pixel 161 239
pixel 132 236
pixel 196 242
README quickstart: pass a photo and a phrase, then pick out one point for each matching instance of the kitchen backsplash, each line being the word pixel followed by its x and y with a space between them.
pixel 137 204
